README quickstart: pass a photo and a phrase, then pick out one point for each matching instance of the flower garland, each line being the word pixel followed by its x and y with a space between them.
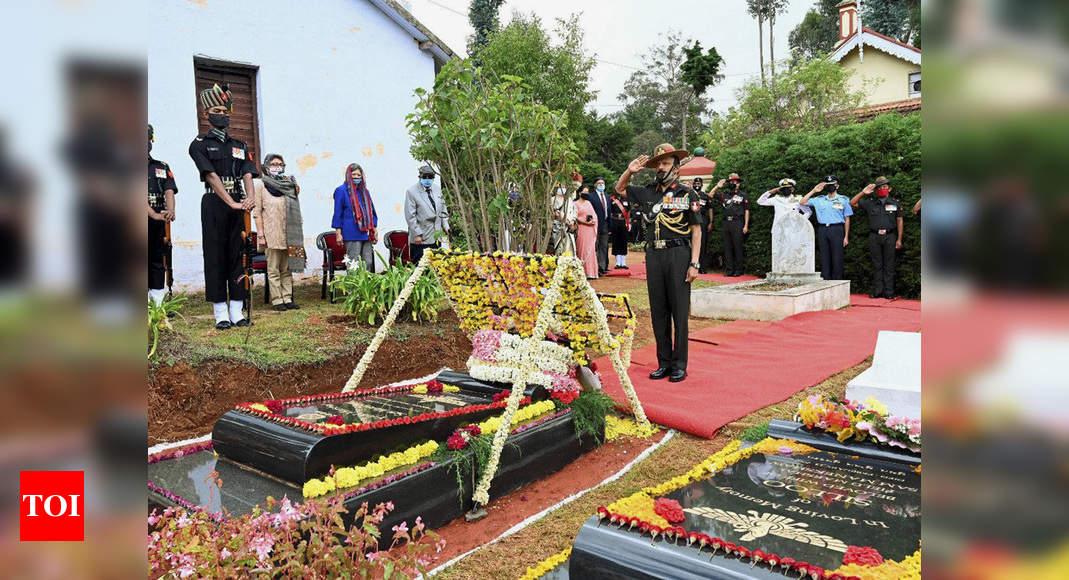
pixel 656 516
pixel 387 324
pixel 388 480
pixel 273 410
pixel 352 476
pixel 177 452
pixel 861 421
pixel 543 567
pixel 617 427
pixel 183 502
pixel 498 356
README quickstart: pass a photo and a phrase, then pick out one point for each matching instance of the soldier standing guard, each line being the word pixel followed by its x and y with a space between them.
pixel 736 224
pixel 705 203
pixel 226 168
pixel 885 234
pixel 161 191
pixel 673 236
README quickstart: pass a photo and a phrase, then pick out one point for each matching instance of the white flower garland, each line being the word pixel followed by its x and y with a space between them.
pixel 380 335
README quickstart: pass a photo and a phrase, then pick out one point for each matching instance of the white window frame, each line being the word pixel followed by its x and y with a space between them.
pixel 913 76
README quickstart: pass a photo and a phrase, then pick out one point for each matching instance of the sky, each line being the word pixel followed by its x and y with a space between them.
pixel 618 32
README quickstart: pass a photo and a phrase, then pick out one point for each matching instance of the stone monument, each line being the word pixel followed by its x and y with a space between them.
pixel 793 250
pixel 894 378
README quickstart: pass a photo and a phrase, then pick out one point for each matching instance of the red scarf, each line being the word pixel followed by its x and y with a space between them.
pixel 364 222
pixel 623 210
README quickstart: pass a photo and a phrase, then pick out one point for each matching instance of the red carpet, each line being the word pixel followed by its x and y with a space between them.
pixel 742 366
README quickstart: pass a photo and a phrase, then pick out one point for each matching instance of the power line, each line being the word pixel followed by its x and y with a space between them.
pixel 444 7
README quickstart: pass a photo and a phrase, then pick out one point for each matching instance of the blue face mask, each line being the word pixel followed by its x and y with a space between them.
pixel 601 188
pixel 357 180
pixel 426 182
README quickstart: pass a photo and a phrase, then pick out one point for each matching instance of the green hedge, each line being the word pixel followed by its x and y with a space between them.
pixel 888 145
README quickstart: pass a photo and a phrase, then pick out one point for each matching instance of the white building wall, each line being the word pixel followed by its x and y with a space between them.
pixel 335 81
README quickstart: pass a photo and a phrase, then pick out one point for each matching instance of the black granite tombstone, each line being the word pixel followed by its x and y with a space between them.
pixel 810 507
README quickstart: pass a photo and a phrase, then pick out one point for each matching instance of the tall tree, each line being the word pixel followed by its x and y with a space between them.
pixel 759 10
pixel 888 17
pixel 482 14
pixel 816 35
pixel 700 71
pixel 557 74
pixel 656 98
pixel 774 7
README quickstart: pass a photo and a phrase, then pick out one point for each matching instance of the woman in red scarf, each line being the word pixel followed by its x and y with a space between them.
pixel 355 219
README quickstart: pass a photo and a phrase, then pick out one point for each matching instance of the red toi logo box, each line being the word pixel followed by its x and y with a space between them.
pixel 51 506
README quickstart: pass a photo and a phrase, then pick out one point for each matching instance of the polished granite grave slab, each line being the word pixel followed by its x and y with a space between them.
pixel 809 507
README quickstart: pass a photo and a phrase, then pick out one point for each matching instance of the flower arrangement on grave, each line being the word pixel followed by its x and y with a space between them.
pixel 499 356
pixel 848 419
pixel 659 517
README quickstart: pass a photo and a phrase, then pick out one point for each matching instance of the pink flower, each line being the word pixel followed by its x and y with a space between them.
pixel 153 518
pixel 439 545
pixel 262 545
pixel 784 450
pixel 401 528
pixel 185 570
pixel 372 556
pixel 224 554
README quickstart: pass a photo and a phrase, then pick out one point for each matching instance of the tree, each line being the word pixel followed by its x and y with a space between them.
pixel 817 34
pixel 656 98
pixel 482 14
pixel 557 74
pixel 700 71
pixel 484 133
pixel 774 7
pixel 888 17
pixel 608 142
pixel 759 9
pixel 811 95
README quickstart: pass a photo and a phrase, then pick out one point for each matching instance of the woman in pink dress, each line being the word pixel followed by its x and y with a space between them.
pixel 586 238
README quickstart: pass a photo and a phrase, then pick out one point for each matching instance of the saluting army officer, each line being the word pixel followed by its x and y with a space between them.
pixel 673 236
pixel 226 168
pixel 161 190
pixel 885 234
pixel 736 223
pixel 833 226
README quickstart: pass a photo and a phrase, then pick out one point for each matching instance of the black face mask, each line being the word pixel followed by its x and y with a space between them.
pixel 584 195
pixel 219 120
pixel 831 188
pixel 661 176
pixel 732 186
pixel 788 191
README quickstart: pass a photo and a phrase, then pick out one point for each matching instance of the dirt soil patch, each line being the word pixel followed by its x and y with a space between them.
pixel 185 401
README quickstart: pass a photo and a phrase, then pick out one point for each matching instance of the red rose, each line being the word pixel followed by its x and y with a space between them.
pixel 668 509
pixel 434 387
pixel 336 420
pixel 862 556
pixel 456 442
pixel 475 430
pixel 501 396
pixel 275 406
pixel 565 397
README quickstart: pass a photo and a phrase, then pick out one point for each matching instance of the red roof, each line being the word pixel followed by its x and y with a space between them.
pixel 697 166
pixel 899 43
pixel 903 106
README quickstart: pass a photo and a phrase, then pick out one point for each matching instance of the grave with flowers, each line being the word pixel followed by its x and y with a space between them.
pixel 434 448
pixel 840 499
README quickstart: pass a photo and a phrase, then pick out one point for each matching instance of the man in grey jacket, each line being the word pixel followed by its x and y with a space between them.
pixel 426 214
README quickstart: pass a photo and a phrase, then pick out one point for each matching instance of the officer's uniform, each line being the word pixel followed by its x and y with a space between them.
pixel 667 261
pixel 222 226
pixel 831 230
pixel 735 205
pixel 883 233
pixel 705 201
pixel 160 179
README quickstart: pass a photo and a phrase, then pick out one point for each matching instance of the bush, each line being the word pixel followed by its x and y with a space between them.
pixel 369 296
pixel 889 145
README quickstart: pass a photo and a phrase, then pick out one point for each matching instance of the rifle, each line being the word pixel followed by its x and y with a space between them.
pixel 167 265
pixel 246 263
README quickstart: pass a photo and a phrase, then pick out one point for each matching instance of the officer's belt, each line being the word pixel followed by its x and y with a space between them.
pixel 732 218
pixel 666 244
pixel 884 232
pixel 830 225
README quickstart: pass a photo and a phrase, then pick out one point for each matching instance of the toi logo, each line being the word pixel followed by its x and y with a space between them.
pixel 51 506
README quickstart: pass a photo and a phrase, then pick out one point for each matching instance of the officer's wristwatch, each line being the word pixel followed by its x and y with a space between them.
pixel 696 265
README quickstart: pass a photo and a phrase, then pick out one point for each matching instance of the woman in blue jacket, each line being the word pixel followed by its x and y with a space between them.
pixel 355 218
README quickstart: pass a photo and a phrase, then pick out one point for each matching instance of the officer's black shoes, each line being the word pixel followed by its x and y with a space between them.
pixel 281 306
pixel 222 325
pixel 677 375
pixel 292 306
pixel 659 374
pixel 874 295
pixel 624 267
pixel 889 296
pixel 243 322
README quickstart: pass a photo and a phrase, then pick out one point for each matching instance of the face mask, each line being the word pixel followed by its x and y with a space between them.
pixel 789 191
pixel 276 171
pixel 357 180
pixel 732 185
pixel 426 182
pixel 882 192
pixel 560 191
pixel 601 188
pixel 219 120
pixel 831 188
pixel 661 176
pixel 584 195
pixel 514 195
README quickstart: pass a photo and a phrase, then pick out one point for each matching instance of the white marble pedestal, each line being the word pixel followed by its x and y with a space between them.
pixel 894 378
pixel 734 301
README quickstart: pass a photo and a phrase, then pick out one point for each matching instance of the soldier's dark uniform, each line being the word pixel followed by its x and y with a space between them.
pixel 618 220
pixel 222 226
pixel 705 202
pixel 667 260
pixel 883 232
pixel 160 179
pixel 735 205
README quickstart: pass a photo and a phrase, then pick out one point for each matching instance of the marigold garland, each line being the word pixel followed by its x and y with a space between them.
pixel 617 427
pixel 347 477
pixel 543 567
